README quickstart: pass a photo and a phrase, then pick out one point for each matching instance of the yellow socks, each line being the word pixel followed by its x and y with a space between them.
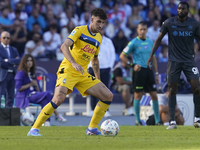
pixel 99 112
pixel 44 115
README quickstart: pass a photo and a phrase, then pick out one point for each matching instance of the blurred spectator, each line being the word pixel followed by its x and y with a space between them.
pixel 157 13
pixel 141 10
pixel 9 59
pixel 66 30
pixel 110 29
pixel 109 3
pixel 150 5
pixel 154 30
pixel 166 14
pixel 172 6
pixel 123 6
pixel 193 8
pixel 117 17
pixel 2 4
pixel 75 5
pixel 41 6
pixel 163 56
pixel 27 90
pixel 164 112
pixel 134 19
pixel 26 7
pixel 1 29
pixel 52 41
pixel 150 18
pixel 18 13
pixel 119 41
pixel 56 8
pixel 35 17
pixel 122 82
pixel 69 15
pixel 50 19
pixel 35 28
pixel 86 19
pixel 4 20
pixel 19 36
pixel 35 47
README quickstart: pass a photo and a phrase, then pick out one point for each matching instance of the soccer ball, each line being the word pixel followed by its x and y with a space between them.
pixel 109 128
pixel 27 119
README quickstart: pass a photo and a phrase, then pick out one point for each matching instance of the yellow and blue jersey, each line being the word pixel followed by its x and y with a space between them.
pixel 85 46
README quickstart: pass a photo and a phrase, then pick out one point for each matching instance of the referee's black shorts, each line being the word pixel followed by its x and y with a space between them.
pixel 143 80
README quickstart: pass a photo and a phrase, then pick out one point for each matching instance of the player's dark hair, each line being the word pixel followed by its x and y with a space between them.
pixel 184 3
pixel 98 12
pixel 143 23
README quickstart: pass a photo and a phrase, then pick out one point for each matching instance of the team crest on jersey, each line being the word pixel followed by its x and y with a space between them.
pixel 64 80
pixel 73 32
pixel 126 49
pixel 190 27
pixel 96 44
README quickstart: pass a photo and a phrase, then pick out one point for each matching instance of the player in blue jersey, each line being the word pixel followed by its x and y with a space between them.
pixel 181 31
pixel 143 78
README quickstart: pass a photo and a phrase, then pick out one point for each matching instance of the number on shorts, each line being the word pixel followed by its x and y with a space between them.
pixel 195 70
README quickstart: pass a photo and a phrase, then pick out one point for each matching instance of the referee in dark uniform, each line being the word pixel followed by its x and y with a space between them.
pixel 181 30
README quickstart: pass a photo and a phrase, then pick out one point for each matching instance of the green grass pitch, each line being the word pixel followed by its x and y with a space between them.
pixel 74 138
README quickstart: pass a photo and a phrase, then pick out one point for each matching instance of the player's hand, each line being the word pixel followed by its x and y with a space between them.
pixel 149 63
pixel 157 78
pixel 78 67
pixel 137 68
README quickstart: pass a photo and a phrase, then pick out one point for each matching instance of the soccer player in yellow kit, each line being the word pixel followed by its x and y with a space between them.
pixel 81 47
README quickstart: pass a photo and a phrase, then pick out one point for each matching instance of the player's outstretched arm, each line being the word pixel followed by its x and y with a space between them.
pixel 155 47
pixel 65 50
pixel 95 67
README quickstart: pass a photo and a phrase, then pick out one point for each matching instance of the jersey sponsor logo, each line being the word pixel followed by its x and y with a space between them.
pixel 182 33
pixel 85 57
pixel 145 47
pixel 126 49
pixel 190 27
pixel 73 32
pixel 195 70
pixel 88 49
pixel 85 38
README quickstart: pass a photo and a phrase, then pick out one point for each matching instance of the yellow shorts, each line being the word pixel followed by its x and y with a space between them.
pixel 71 78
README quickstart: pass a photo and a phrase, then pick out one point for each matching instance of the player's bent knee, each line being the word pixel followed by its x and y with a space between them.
pixel 58 99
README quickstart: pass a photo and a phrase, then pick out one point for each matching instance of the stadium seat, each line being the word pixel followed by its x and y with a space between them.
pixel 37 108
pixel 71 97
pixel 49 82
